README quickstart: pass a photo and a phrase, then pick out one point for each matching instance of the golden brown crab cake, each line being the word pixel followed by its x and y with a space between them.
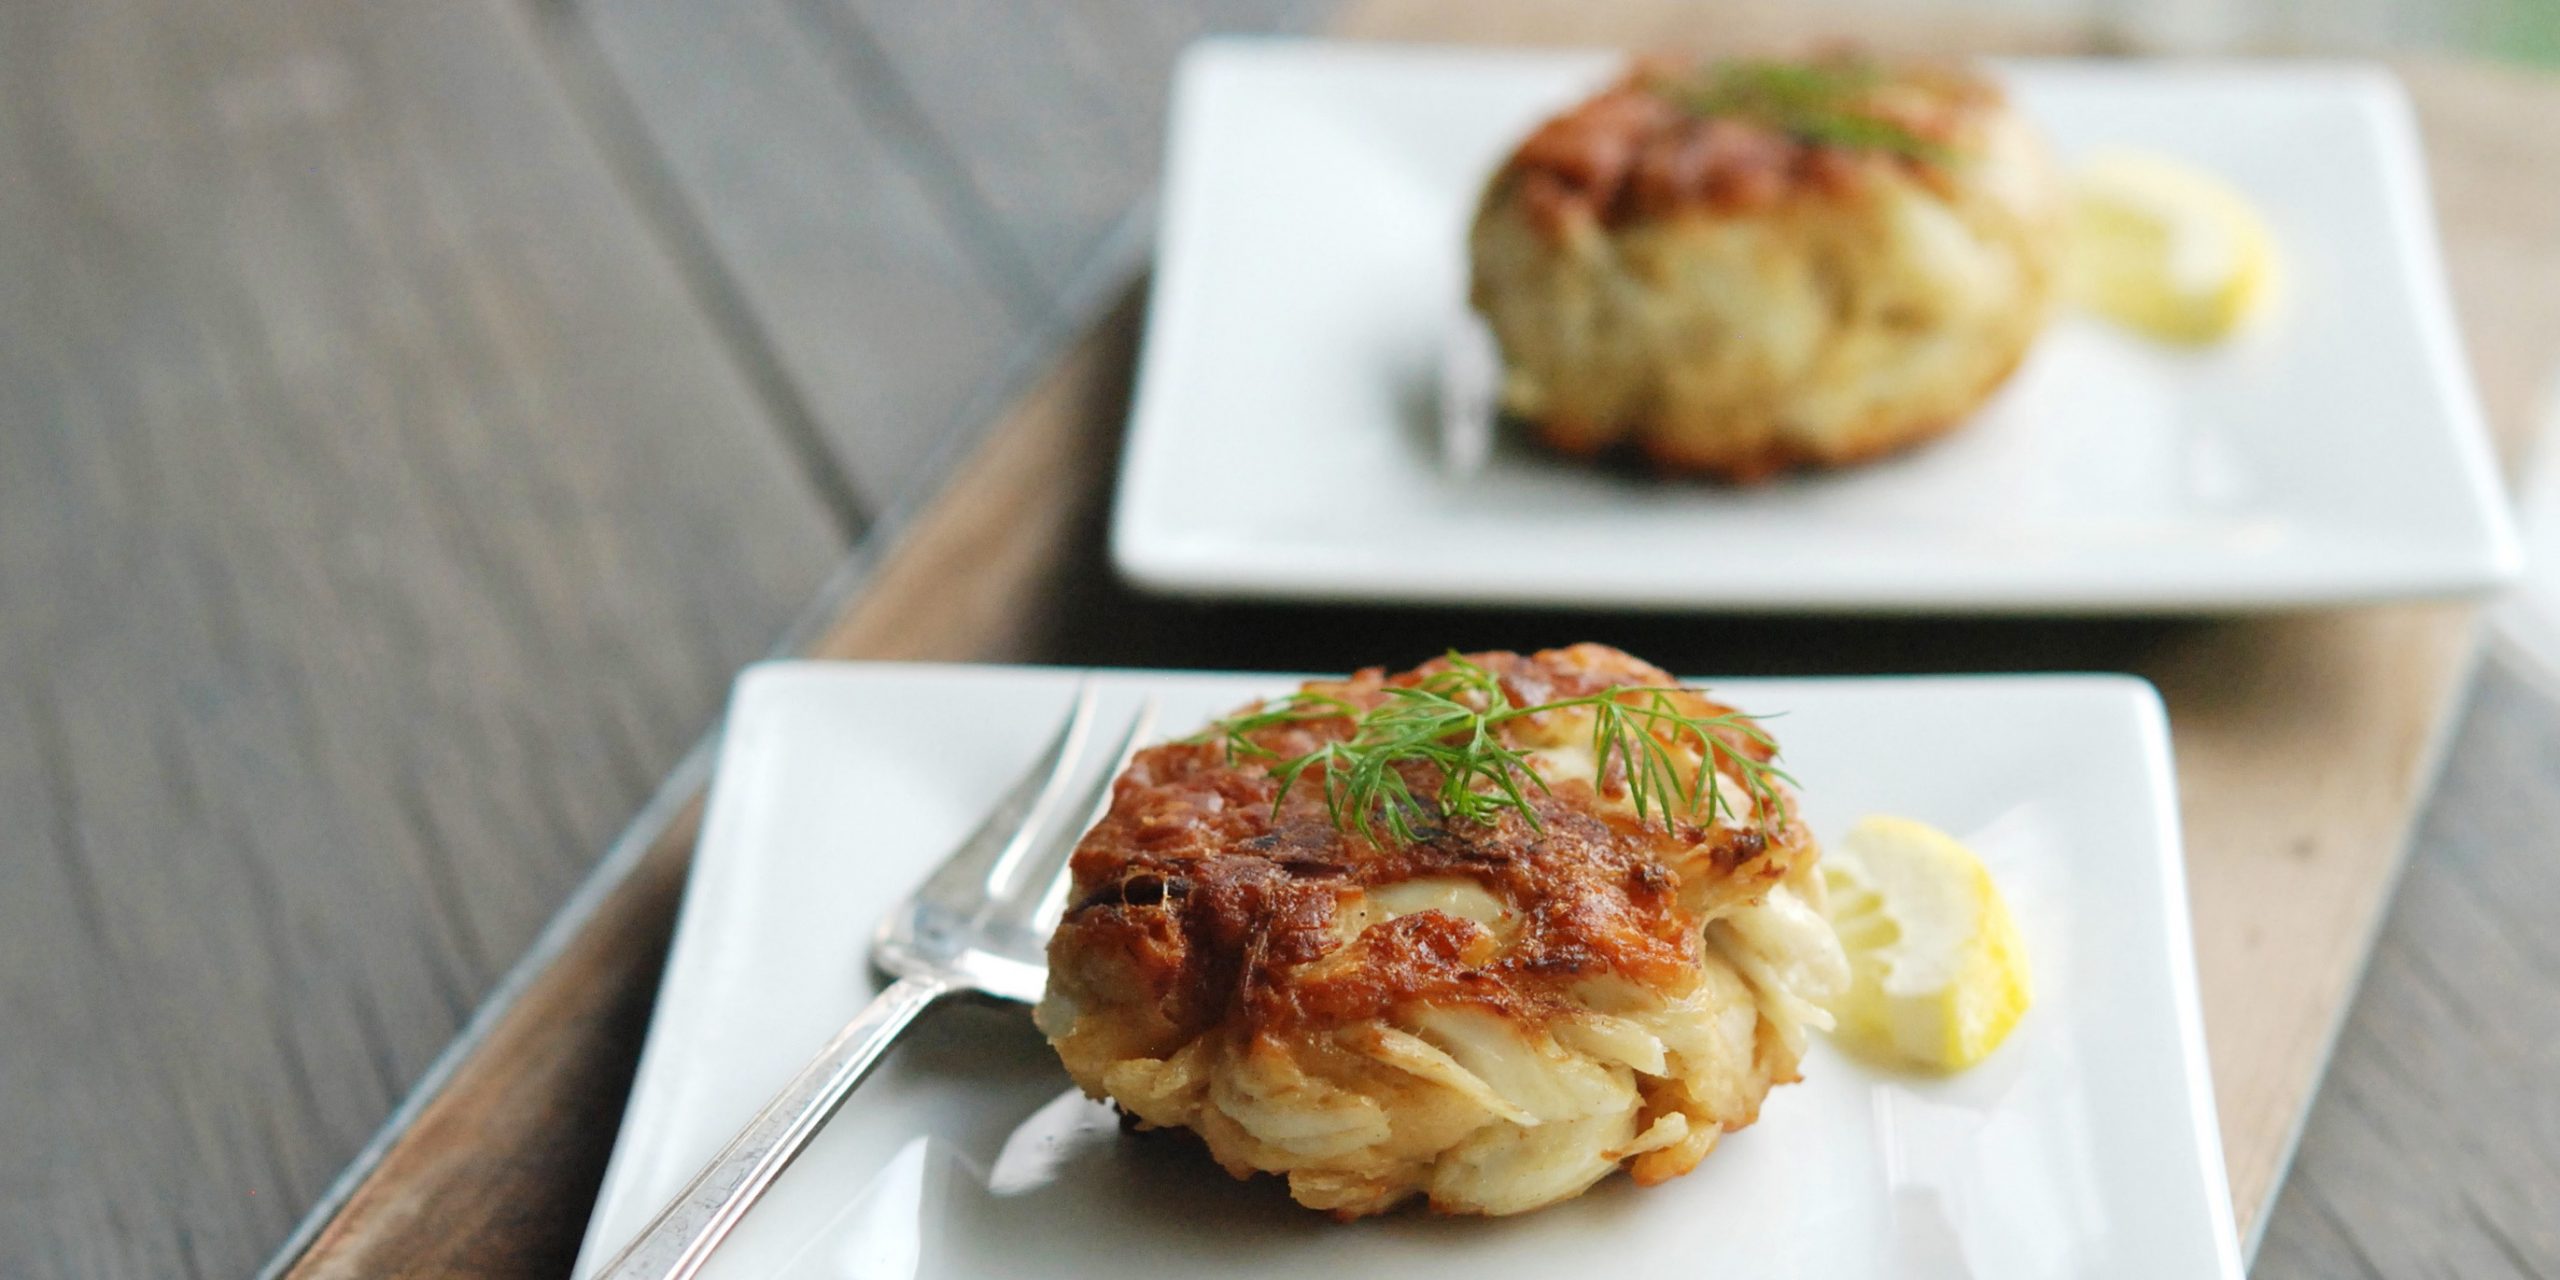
pixel 1740 267
pixel 1493 1010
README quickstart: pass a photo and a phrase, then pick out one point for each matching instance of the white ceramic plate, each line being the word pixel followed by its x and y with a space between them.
pixel 2085 1147
pixel 1312 263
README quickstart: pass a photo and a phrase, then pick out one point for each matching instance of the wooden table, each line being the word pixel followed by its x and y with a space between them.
pixel 410 415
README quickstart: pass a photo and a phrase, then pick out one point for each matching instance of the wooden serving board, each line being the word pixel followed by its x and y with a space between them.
pixel 2305 742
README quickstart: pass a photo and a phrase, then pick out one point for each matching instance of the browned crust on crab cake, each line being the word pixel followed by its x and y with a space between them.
pixel 1724 299
pixel 1632 153
pixel 1209 930
pixel 1221 905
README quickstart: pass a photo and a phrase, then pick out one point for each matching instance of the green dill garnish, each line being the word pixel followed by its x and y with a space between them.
pixel 1449 719
pixel 1816 102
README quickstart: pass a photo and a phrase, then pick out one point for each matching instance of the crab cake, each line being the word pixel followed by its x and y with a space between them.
pixel 1740 267
pixel 1348 941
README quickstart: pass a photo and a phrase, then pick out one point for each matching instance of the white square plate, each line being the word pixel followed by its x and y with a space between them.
pixel 2085 1147
pixel 1312 263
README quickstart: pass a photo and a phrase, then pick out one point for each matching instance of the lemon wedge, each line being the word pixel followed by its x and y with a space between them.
pixel 1937 974
pixel 2167 249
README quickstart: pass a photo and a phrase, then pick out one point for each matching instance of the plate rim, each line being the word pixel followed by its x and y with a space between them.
pixel 2484 554
pixel 772 687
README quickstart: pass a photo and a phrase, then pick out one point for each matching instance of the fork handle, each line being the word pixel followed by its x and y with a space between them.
pixel 679 1240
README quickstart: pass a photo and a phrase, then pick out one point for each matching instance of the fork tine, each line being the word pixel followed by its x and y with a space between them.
pixel 983 862
pixel 1041 895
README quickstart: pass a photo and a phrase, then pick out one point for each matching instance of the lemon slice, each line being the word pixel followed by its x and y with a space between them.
pixel 2166 249
pixel 1937 975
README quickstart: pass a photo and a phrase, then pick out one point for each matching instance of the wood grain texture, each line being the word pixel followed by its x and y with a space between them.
pixel 496 1174
pixel 906 204
pixel 492 1180
pixel 2434 1150
pixel 378 519
pixel 1053 114
pixel 819 211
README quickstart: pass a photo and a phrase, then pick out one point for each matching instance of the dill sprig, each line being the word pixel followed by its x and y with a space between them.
pixel 1450 720
pixel 1817 102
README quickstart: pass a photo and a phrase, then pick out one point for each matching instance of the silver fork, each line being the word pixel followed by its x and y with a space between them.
pixel 978 928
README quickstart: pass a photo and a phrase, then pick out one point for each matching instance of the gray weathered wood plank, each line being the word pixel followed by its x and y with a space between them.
pixel 1052 114
pixel 1050 118
pixel 2434 1149
pixel 379 517
pixel 818 202
pixel 908 202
